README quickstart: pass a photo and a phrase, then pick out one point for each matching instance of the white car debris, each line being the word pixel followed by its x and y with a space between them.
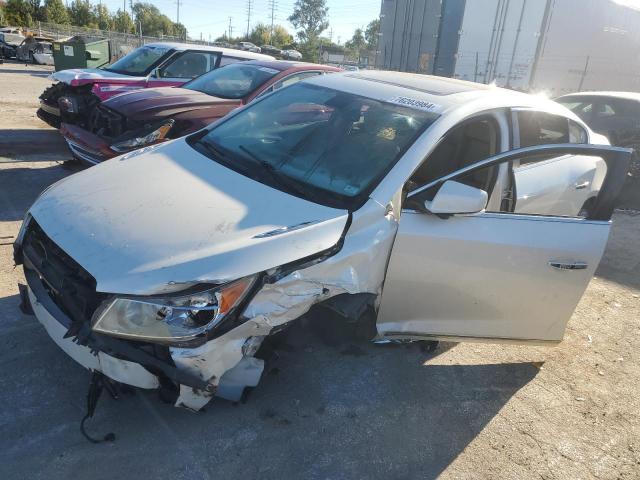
pixel 421 208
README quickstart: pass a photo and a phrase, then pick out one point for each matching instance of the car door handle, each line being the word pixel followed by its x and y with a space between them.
pixel 580 186
pixel 568 265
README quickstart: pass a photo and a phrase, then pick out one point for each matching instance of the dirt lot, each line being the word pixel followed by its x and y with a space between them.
pixel 326 411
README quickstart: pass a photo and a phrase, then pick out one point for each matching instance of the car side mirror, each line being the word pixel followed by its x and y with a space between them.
pixel 457 198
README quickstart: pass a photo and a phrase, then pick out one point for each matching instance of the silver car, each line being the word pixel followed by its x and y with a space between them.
pixel 416 207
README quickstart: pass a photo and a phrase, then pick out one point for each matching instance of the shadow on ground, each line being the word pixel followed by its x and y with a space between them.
pixel 630 196
pixel 376 412
pixel 18 184
pixel 17 143
pixel 37 72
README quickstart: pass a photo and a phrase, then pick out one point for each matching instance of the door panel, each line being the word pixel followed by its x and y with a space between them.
pixel 504 275
pixel 488 275
pixel 558 186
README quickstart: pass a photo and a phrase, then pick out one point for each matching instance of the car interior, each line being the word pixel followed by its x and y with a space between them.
pixel 463 146
pixel 189 65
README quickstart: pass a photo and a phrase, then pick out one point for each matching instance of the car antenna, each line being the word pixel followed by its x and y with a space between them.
pixel 93 395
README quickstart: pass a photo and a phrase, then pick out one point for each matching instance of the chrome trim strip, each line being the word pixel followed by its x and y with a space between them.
pixel 281 230
pixel 49 109
pixel 82 153
pixel 463 338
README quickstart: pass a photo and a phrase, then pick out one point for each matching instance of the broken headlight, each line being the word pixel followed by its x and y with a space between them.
pixel 172 319
pixel 140 139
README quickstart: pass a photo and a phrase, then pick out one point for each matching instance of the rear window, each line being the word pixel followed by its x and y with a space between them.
pixel 233 81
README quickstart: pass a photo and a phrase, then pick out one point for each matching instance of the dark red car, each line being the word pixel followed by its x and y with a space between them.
pixel 146 117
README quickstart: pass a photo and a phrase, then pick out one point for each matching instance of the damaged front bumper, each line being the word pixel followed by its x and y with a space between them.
pixel 85 146
pixel 123 362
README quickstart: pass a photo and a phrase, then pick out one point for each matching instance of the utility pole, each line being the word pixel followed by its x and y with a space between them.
pixel 584 73
pixel 475 74
pixel 331 35
pixel 249 4
pixel 131 8
pixel 178 12
pixel 273 5
pixel 230 28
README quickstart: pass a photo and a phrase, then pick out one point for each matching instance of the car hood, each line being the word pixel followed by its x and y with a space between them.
pixel 150 103
pixel 81 76
pixel 164 218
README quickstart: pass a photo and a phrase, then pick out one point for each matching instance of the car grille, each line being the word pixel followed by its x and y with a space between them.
pixel 106 123
pixel 69 285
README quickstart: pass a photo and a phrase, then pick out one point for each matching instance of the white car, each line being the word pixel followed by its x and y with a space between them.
pixel 249 47
pixel 292 54
pixel 421 208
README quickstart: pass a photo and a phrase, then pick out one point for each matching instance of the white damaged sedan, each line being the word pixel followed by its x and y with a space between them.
pixel 419 208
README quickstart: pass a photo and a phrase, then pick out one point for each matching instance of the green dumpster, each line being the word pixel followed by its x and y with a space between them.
pixel 81 52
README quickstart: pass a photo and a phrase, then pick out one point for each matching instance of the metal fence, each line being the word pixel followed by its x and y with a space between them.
pixel 121 43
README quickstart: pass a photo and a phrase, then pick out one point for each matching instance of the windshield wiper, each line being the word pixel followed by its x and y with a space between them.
pixel 283 180
pixel 224 156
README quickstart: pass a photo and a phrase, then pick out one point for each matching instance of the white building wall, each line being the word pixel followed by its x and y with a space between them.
pixel 590 45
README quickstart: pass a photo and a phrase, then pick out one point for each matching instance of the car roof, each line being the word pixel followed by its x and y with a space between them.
pixel 230 52
pixel 445 94
pixel 622 95
pixel 287 65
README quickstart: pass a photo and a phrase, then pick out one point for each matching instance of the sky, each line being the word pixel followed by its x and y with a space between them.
pixel 211 17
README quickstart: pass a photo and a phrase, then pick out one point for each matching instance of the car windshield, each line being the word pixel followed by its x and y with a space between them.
pixel 139 62
pixel 327 146
pixel 233 81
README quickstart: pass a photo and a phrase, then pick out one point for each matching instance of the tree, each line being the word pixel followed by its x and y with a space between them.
pixel 371 34
pixel 18 13
pixel 54 11
pixel 281 37
pixel 260 34
pixel 122 22
pixel 310 18
pixel 82 14
pixel 179 30
pixel 153 22
pixel 356 44
pixel 103 17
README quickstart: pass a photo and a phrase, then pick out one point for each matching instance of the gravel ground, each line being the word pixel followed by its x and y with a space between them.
pixel 326 411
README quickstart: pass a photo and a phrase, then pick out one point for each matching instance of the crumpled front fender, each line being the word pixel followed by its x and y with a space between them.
pixel 359 267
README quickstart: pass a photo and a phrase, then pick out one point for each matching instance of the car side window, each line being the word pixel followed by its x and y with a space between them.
pixel 582 108
pixel 577 133
pixel 462 146
pixel 605 110
pixel 295 78
pixel 226 60
pixel 190 65
pixel 540 128
pixel 548 185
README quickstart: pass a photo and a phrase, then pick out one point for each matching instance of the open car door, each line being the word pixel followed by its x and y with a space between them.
pixel 460 272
